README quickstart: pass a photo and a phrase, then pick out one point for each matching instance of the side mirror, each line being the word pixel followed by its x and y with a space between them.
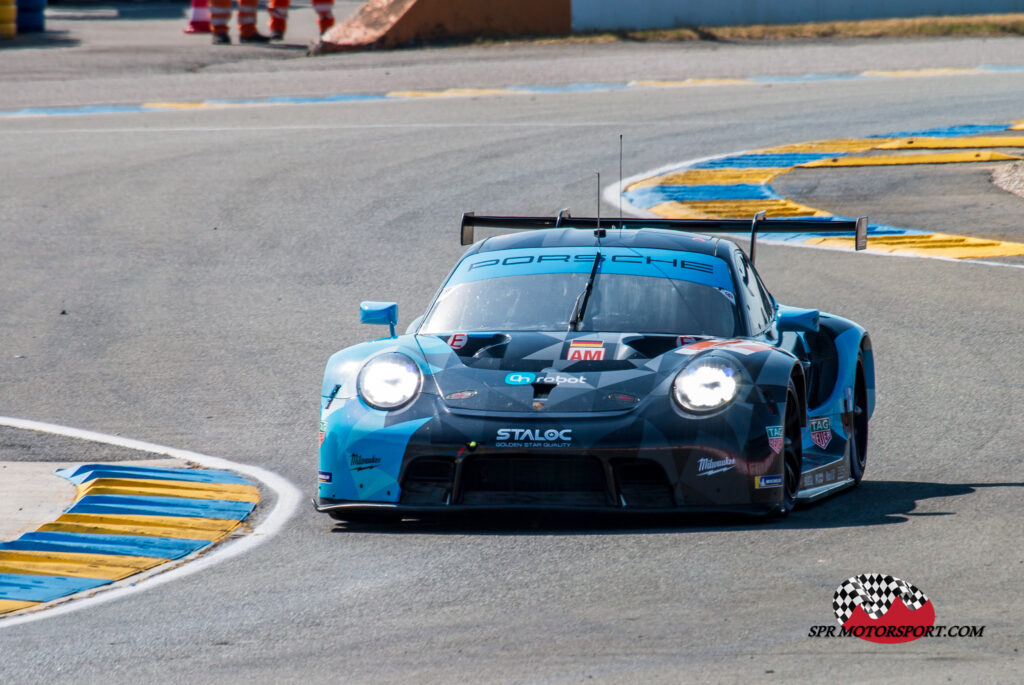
pixel 796 319
pixel 379 313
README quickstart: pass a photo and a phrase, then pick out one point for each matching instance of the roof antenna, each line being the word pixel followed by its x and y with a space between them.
pixel 599 232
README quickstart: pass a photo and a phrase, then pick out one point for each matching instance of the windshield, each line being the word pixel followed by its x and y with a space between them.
pixel 619 303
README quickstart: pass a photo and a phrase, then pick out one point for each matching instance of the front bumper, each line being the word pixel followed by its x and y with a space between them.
pixel 631 461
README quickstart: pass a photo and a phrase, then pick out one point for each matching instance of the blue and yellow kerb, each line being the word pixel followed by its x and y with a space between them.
pixel 125 520
pixel 738 185
pixel 398 95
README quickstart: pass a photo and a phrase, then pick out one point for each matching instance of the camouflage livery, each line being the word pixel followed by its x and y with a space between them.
pixel 586 419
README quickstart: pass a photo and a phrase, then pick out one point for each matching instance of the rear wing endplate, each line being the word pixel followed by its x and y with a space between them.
pixel 759 224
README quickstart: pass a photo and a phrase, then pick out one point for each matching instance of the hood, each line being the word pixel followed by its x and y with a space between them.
pixel 550 371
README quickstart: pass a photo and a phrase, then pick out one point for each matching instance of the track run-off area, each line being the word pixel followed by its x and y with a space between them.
pixel 180 276
pixel 166 546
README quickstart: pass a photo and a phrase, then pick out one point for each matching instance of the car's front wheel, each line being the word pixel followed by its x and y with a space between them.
pixel 792 450
pixel 859 427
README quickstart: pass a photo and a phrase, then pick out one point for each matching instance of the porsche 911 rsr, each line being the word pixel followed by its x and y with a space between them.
pixel 637 367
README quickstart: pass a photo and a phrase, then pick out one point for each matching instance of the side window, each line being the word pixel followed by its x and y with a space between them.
pixel 756 303
pixel 766 297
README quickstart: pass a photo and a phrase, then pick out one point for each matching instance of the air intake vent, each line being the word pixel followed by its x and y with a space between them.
pixel 643 484
pixel 428 481
pixel 529 479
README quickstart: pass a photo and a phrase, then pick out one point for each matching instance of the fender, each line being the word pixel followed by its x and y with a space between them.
pixel 773 378
pixel 361 448
pixel 343 367
pixel 849 339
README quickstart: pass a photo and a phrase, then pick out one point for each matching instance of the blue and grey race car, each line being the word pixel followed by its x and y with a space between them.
pixel 635 365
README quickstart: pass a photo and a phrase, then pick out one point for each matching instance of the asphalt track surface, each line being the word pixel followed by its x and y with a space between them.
pixel 209 261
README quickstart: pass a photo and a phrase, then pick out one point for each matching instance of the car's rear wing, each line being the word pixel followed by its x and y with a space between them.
pixel 759 224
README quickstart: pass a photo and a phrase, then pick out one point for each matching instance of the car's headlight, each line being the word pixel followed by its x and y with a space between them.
pixel 706 385
pixel 389 380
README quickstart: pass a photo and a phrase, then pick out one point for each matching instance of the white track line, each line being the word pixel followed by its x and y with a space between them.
pixel 610 195
pixel 142 128
pixel 288 498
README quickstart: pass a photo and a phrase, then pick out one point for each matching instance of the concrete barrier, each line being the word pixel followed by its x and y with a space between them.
pixel 391 23
pixel 615 15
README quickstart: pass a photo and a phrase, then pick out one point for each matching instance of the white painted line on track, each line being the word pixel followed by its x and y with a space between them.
pixel 288 498
pixel 610 195
pixel 142 128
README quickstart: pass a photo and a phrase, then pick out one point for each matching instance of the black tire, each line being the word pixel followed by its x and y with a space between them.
pixel 859 426
pixel 792 451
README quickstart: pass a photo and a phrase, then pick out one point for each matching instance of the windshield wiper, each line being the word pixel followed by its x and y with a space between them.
pixel 580 308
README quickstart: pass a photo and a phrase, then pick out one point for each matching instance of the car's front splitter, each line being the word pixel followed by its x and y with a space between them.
pixel 338 509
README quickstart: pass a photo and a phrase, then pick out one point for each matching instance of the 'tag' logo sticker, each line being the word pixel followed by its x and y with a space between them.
pixel 774 438
pixel 881 608
pixel 821 432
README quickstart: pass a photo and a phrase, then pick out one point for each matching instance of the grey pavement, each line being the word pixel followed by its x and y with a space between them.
pixel 215 340
pixel 131 60
pixel 82 41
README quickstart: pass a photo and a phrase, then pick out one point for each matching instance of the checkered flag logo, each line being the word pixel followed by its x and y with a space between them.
pixel 875 593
